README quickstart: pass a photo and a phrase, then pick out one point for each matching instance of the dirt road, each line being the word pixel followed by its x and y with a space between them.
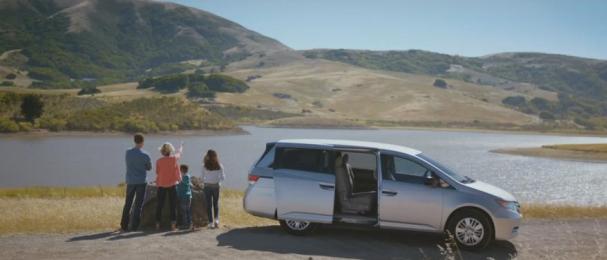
pixel 573 239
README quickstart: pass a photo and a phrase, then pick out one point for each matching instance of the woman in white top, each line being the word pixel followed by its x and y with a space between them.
pixel 212 176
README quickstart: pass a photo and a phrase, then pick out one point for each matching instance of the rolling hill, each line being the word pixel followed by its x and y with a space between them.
pixel 76 43
pixel 580 83
pixel 582 77
pixel 66 43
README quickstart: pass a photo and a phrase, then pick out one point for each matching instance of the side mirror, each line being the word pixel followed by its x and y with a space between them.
pixel 429 179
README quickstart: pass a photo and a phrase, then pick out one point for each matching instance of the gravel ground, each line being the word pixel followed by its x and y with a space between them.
pixel 539 239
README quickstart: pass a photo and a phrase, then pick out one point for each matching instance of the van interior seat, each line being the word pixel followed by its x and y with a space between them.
pixel 348 201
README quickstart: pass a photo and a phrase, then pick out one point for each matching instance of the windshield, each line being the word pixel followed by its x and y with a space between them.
pixel 446 170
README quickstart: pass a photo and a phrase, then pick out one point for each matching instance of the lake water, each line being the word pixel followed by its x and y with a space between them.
pixel 99 160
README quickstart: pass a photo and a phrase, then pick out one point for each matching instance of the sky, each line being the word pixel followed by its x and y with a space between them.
pixel 457 27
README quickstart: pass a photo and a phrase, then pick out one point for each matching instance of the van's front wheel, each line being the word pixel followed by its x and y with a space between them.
pixel 471 229
pixel 299 228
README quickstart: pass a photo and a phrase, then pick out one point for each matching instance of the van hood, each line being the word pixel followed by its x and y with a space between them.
pixel 491 190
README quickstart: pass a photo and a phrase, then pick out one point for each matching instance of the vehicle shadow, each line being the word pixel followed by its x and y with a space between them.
pixel 353 243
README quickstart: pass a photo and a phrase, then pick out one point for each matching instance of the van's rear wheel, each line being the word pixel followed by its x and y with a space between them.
pixel 471 229
pixel 299 228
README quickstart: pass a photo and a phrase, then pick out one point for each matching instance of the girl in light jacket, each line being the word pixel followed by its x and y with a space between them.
pixel 212 176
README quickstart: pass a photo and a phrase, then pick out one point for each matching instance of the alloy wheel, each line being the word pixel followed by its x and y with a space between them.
pixel 298 225
pixel 469 231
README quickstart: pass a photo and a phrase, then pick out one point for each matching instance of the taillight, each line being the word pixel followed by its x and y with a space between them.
pixel 253 179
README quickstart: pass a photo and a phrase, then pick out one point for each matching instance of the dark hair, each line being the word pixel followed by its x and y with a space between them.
pixel 138 138
pixel 211 161
pixel 184 168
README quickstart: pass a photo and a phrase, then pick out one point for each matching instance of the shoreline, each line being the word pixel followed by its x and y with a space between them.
pixel 555 154
pixel 240 131
pixel 445 129
pixel 46 133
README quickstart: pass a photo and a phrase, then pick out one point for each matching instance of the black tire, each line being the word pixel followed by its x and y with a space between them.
pixel 468 234
pixel 299 228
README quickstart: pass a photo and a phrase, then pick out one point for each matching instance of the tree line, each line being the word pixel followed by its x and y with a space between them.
pixel 197 84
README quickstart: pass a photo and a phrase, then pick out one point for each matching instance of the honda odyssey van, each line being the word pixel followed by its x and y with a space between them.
pixel 307 182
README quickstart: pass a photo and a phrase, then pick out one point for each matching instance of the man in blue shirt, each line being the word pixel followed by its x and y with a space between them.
pixel 138 162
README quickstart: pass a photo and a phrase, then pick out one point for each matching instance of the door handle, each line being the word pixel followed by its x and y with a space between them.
pixel 389 193
pixel 326 186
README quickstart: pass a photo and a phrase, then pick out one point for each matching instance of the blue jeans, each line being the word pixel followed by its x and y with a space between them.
pixel 136 192
pixel 211 193
pixel 185 205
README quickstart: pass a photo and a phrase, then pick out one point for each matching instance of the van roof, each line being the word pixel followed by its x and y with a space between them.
pixel 352 144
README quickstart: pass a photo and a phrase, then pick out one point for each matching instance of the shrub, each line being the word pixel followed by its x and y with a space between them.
pixel 515 101
pixel 11 76
pixel 47 74
pixel 223 83
pixel 138 125
pixel 168 84
pixel 282 95
pixel 7 84
pixel 89 91
pixel 32 107
pixel 541 104
pixel 547 116
pixel 585 123
pixel 8 126
pixel 146 83
pixel 25 126
pixel 197 84
pixel 440 83
pixel 200 89
pixel 52 124
pixel 146 115
pixel 252 77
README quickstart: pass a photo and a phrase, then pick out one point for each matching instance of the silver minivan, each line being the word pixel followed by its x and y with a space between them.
pixel 306 182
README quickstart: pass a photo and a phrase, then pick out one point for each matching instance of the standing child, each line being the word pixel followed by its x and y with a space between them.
pixel 184 192
pixel 212 176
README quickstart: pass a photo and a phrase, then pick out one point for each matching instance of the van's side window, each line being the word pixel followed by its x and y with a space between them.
pixel 312 160
pixel 402 169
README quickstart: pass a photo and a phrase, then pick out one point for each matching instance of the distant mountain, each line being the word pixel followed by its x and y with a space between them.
pixel 67 41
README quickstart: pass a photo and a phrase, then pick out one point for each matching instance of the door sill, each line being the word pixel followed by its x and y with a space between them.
pixel 354 219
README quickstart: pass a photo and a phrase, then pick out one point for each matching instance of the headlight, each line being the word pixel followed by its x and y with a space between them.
pixel 510 205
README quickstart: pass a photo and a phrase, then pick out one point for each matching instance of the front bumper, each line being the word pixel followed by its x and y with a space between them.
pixel 507 228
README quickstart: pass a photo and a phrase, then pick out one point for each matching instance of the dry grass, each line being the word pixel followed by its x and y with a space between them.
pixel 589 148
pixel 543 211
pixel 73 209
pixel 583 152
pixel 65 210
pixel 62 192
pixel 38 215
pixel 340 91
